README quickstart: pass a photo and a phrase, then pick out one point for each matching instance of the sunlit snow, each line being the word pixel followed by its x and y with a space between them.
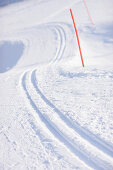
pixel 55 114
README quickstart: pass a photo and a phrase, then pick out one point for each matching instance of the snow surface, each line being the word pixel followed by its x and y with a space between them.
pixel 54 114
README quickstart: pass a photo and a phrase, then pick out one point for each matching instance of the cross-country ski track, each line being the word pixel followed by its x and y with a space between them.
pixel 72 140
pixel 55 114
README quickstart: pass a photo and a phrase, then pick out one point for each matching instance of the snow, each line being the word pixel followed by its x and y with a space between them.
pixel 55 114
pixel 10 54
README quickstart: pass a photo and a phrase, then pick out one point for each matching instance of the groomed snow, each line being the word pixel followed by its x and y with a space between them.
pixel 55 114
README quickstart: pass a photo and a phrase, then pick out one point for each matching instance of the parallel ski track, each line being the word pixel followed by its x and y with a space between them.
pixel 42 123
pixel 87 135
pixel 41 107
pixel 61 35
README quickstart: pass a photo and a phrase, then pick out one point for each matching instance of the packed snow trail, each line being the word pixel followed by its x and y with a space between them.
pixel 53 113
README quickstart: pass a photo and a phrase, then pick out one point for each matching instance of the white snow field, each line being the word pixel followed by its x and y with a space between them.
pixel 55 114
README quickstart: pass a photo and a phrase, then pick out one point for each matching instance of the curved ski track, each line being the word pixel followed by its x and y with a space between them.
pixel 88 153
pixel 61 35
pixel 87 135
pixel 90 150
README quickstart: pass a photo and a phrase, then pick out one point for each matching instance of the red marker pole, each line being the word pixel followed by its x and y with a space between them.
pixel 88 12
pixel 77 37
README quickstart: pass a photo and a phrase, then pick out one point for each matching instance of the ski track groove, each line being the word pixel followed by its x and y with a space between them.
pixel 53 128
pixel 61 36
pixel 40 119
pixel 87 135
pixel 49 125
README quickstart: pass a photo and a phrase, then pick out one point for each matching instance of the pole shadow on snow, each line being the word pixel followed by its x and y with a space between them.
pixel 10 53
